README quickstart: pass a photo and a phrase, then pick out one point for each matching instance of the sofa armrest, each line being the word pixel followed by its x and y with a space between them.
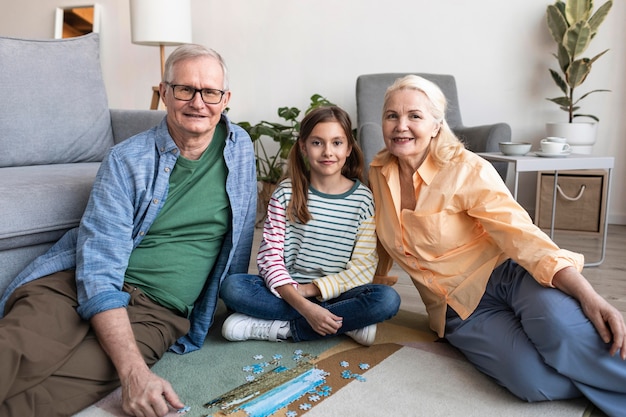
pixel 485 139
pixel 126 123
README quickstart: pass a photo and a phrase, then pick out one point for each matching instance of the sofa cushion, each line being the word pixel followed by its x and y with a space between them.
pixel 53 104
pixel 40 203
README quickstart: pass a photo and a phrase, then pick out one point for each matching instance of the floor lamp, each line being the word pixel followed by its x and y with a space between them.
pixel 160 23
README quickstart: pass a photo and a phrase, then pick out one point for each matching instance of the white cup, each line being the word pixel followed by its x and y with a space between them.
pixel 556 139
pixel 551 147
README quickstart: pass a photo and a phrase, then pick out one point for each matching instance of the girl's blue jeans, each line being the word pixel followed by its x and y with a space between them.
pixel 359 307
pixel 536 342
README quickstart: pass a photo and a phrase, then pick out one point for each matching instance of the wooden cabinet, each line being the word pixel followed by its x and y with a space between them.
pixel 581 198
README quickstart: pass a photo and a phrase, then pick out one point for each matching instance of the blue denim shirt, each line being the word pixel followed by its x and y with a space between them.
pixel 129 191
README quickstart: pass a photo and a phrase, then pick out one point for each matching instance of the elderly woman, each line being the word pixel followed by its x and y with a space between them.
pixel 494 285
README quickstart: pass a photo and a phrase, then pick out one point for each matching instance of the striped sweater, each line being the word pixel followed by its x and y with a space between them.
pixel 336 249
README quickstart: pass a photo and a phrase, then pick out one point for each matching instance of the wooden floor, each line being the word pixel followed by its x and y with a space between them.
pixel 609 279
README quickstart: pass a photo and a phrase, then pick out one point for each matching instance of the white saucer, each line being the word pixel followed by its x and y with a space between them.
pixel 553 155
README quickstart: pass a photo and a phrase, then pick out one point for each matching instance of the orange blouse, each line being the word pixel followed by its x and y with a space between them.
pixel 465 224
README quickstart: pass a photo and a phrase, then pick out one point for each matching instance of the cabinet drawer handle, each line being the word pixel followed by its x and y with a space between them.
pixel 580 193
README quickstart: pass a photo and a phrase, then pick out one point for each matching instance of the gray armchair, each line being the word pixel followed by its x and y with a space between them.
pixel 370 92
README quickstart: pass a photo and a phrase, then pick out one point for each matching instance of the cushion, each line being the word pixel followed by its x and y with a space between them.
pixel 53 104
pixel 39 203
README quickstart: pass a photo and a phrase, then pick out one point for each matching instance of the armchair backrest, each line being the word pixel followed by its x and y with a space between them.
pixel 370 94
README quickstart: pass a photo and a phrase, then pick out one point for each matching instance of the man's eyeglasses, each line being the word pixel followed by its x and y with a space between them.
pixel 187 93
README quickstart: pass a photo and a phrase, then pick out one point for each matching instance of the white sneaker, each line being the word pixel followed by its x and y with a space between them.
pixel 365 335
pixel 238 327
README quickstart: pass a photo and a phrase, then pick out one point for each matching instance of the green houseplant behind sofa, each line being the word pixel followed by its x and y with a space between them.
pixel 55 128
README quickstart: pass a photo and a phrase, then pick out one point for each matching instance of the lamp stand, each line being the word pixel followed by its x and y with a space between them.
pixel 156 95
pixel 162 47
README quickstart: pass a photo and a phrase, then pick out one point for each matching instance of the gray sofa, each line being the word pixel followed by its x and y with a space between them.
pixel 55 128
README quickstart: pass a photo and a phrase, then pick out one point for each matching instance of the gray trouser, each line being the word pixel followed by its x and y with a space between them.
pixel 538 343
pixel 51 361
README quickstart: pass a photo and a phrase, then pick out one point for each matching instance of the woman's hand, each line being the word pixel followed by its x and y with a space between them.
pixel 607 319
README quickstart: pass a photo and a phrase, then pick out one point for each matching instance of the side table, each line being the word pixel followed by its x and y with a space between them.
pixel 532 163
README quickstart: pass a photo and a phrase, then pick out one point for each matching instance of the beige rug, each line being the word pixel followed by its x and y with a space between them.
pixel 406 373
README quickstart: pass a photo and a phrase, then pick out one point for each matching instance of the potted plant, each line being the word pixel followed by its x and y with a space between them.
pixel 573 25
pixel 271 158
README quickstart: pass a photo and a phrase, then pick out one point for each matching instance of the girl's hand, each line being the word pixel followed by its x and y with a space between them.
pixel 321 320
pixel 309 290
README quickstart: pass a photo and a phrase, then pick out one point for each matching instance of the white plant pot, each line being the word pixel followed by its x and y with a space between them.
pixel 581 136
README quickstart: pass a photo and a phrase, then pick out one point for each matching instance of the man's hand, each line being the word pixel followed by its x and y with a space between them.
pixel 144 394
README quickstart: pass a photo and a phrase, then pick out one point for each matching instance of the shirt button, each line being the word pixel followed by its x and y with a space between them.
pixel 141 233
pixel 167 169
pixel 162 149
pixel 155 201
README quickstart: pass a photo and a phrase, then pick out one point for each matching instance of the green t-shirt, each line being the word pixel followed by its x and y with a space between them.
pixel 173 261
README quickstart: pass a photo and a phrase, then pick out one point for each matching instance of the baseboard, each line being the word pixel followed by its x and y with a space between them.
pixel 619 219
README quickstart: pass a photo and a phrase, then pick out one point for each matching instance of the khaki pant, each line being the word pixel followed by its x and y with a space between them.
pixel 51 363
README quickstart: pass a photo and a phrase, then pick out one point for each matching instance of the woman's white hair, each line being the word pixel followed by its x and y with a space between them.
pixel 445 145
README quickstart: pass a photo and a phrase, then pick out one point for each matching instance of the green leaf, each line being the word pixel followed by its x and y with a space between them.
pixel 318 100
pixel 577 39
pixel 559 81
pixel 561 101
pixel 587 115
pixel 577 72
pixel 563 58
pixel 599 17
pixel 288 113
pixel 556 23
pixel 578 10
pixel 267 130
pixel 590 92
pixel 592 60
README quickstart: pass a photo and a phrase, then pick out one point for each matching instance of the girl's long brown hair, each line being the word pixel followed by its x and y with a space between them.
pixel 298 169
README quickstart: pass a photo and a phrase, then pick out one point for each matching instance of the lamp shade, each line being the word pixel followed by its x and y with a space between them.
pixel 160 22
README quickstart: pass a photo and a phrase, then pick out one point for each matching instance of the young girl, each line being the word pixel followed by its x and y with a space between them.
pixel 318 254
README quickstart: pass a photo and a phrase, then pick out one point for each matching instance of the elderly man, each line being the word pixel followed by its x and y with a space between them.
pixel 171 214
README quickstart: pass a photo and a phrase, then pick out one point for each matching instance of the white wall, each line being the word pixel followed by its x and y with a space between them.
pixel 280 52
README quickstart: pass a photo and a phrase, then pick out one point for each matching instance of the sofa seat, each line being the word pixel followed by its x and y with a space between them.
pixel 39 203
